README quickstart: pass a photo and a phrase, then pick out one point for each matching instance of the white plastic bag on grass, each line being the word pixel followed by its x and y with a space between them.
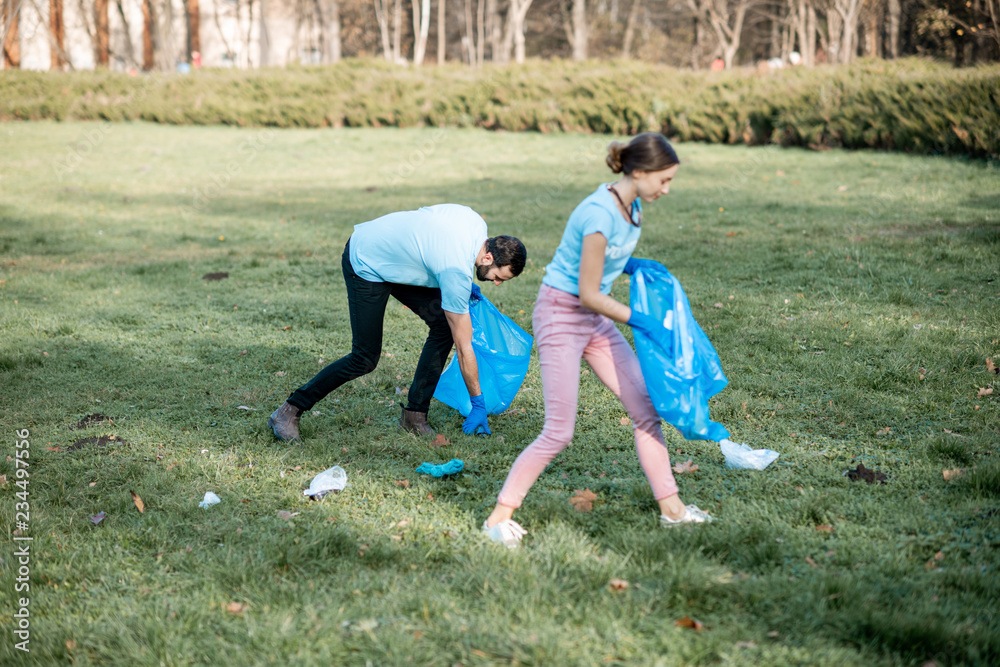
pixel 741 456
pixel 332 479
pixel 210 499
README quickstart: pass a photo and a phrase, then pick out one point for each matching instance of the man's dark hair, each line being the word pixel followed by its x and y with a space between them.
pixel 507 251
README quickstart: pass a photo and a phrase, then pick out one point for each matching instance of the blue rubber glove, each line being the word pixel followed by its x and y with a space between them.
pixel 633 265
pixel 477 417
pixel 652 328
pixel 450 468
pixel 477 294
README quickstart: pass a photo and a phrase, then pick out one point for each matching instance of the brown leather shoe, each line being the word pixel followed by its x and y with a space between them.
pixel 415 422
pixel 284 422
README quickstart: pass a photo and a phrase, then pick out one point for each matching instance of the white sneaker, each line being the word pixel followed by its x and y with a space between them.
pixel 691 515
pixel 507 533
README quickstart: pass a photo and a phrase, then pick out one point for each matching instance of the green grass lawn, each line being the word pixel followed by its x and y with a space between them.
pixel 854 299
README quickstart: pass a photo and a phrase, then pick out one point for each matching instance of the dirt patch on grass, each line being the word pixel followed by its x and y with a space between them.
pixel 867 474
pixel 97 442
pixel 221 275
pixel 90 420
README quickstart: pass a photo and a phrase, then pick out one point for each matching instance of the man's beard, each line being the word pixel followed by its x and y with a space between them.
pixel 481 272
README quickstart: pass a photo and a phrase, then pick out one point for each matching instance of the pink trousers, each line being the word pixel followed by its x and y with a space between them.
pixel 565 332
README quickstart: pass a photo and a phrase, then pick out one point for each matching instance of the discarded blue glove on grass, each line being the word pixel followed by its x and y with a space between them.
pixel 440 470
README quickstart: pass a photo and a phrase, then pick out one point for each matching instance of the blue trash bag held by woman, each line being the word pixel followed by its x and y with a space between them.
pixel 682 379
pixel 503 351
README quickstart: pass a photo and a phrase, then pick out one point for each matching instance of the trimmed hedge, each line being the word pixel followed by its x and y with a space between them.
pixel 911 105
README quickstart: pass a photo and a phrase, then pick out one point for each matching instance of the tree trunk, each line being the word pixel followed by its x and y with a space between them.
pixel 728 26
pixel 129 48
pixel 442 30
pixel 397 31
pixel 809 57
pixel 421 26
pixel 480 32
pixel 494 31
pixel 58 29
pixel 696 44
pixel 333 21
pixel 579 30
pixel 470 34
pixel 147 35
pixel 193 11
pixel 514 36
pixel 11 35
pixel 895 11
pixel 633 15
pixel 101 32
pixel 382 16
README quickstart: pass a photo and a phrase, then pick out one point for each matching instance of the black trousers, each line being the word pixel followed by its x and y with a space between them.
pixel 366 302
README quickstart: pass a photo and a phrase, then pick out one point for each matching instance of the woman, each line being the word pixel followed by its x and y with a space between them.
pixel 574 318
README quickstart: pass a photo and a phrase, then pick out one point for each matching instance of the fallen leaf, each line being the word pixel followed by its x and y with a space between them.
pixel 952 433
pixel 97 518
pixel 138 502
pixel 617 584
pixel 867 474
pixel 987 391
pixel 286 328
pixel 773 634
pixel 811 561
pixel 243 407
pixel 402 523
pixel 884 431
pixel 281 374
pixel 939 556
pixel 583 500
pixel 236 607
pixel 343 450
pixel 70 644
pixel 624 421
pixel 687 466
pixel 690 624
pixel 3 480
pixel 954 473
pixel 401 390
pixel 286 515
pixel 991 367
pixel 241 353
pixel 440 441
pixel 405 483
pixel 824 528
pixel 718 305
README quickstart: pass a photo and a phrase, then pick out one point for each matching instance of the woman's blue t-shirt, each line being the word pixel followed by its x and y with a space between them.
pixel 597 214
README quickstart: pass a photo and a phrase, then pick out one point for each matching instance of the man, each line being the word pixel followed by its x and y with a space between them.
pixel 425 259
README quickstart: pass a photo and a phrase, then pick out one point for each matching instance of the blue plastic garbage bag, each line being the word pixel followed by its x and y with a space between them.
pixel 682 379
pixel 503 350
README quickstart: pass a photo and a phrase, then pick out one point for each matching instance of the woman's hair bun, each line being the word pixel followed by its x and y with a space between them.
pixel 614 158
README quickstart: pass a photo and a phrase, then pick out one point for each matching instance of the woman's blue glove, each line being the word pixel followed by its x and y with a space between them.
pixel 633 265
pixel 477 294
pixel 477 416
pixel 653 328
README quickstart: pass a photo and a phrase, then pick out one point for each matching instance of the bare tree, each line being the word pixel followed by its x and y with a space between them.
pixel 579 37
pixel 102 33
pixel 633 15
pixel 842 28
pixel 514 33
pixel 58 28
pixel 421 26
pixel 129 48
pixel 397 31
pixel 382 16
pixel 802 14
pixel 892 27
pixel 193 11
pixel 11 38
pixel 442 30
pixel 726 18
pixel 55 47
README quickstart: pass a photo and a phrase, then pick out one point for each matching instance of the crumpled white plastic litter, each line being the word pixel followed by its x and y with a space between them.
pixel 210 499
pixel 331 479
pixel 741 456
